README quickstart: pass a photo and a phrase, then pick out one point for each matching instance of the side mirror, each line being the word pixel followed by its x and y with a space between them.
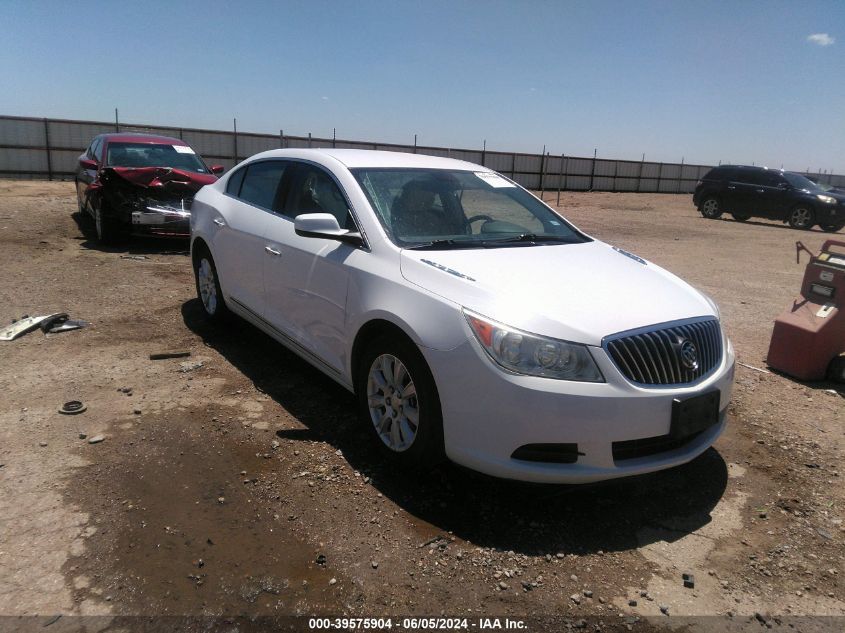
pixel 87 163
pixel 783 185
pixel 324 226
pixel 217 169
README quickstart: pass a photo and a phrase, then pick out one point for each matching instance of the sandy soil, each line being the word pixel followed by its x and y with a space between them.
pixel 246 486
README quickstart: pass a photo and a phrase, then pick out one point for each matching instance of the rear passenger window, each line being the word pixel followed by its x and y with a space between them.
pixel 261 183
pixel 233 186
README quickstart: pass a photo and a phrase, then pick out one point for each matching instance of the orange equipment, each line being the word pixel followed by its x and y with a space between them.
pixel 809 337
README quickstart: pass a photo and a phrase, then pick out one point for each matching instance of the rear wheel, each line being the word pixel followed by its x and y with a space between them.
pixel 711 208
pixel 801 217
pixel 208 287
pixel 398 401
pixel 832 228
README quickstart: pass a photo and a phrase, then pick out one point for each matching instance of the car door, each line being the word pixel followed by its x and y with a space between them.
pixel 780 197
pixel 742 194
pixel 243 217
pixel 86 176
pixel 305 278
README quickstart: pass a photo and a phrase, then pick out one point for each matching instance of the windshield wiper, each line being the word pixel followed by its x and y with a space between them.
pixel 534 238
pixel 445 244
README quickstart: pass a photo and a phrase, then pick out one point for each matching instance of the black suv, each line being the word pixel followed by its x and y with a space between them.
pixel 768 193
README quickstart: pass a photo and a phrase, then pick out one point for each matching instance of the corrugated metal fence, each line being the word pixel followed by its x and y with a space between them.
pixel 49 149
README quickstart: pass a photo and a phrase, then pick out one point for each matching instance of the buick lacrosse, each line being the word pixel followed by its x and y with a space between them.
pixel 470 320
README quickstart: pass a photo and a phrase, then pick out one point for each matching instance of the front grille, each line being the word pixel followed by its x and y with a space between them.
pixel 656 356
pixel 548 453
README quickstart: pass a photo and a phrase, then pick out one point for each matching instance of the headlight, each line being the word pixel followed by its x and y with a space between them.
pixel 533 355
pixel 826 199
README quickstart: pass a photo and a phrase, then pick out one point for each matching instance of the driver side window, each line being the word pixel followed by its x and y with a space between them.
pixel 314 191
pixel 487 203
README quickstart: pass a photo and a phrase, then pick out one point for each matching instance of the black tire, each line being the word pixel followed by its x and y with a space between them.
pixel 801 217
pixel 425 450
pixel 207 284
pixel 836 370
pixel 109 230
pixel 740 217
pixel 711 208
pixel 832 228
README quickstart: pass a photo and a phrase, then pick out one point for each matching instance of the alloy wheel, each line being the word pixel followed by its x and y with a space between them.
pixel 710 208
pixel 207 286
pixel 392 402
pixel 801 218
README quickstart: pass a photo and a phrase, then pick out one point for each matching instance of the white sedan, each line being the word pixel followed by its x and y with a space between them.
pixel 471 320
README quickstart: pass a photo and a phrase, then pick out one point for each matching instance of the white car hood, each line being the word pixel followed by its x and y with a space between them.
pixel 575 292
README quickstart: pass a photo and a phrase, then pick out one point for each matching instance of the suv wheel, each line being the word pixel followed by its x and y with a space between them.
pixel 711 208
pixel 208 287
pixel 832 228
pixel 801 217
pixel 398 401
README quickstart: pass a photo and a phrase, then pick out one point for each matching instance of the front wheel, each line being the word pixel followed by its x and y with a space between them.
pixel 801 217
pixel 109 230
pixel 832 227
pixel 208 288
pixel 711 208
pixel 398 401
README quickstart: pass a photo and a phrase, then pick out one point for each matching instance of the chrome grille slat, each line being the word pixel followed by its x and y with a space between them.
pixel 651 356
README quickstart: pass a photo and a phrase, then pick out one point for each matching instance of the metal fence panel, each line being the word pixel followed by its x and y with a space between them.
pixel 209 144
pixel 66 161
pixel 579 166
pixel 249 145
pixel 75 135
pixel 23 160
pixel 498 161
pixel 648 185
pixel 605 167
pixel 528 164
pixel 578 183
pixel 17 132
pixel 626 169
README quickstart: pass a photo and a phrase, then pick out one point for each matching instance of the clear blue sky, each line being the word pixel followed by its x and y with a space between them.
pixel 707 81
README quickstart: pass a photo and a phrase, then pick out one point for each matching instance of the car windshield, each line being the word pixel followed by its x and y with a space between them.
pixel 800 182
pixel 438 208
pixel 154 155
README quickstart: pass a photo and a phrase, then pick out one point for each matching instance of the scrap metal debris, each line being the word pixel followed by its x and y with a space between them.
pixel 49 324
pixel 139 258
pixel 163 355
pixel 73 407
pixel 190 366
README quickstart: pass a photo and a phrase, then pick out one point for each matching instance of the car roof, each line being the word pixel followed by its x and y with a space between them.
pixel 356 158
pixel 124 137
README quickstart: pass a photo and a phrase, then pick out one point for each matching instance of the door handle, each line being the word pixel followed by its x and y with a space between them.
pixel 761 191
pixel 219 222
pixel 272 251
pixel 731 187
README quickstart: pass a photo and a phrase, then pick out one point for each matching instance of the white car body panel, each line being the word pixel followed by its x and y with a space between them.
pixel 318 294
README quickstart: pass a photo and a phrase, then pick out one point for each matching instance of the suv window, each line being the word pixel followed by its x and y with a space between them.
pixel 314 191
pixel 749 176
pixel 261 183
pixel 719 173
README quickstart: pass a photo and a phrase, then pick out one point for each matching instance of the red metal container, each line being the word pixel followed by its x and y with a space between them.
pixel 809 335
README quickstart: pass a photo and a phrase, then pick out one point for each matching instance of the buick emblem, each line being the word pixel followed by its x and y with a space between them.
pixel 688 354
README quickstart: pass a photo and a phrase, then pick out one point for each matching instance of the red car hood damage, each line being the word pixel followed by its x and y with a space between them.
pixel 175 181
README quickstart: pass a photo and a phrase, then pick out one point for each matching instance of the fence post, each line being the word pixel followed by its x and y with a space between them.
pixel 282 139
pixel 566 174
pixel 593 168
pixel 559 179
pixel 483 152
pixel 116 121
pixel 615 171
pixel 542 170
pixel 235 140
pixel 415 143
pixel 640 174
pixel 334 136
pixel 513 166
pixel 47 149
pixel 680 174
pixel 659 175
pixel 309 139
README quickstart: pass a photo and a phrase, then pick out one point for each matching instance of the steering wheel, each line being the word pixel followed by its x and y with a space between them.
pixel 482 216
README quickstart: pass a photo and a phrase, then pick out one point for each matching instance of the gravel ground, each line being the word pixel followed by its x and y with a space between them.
pixel 244 485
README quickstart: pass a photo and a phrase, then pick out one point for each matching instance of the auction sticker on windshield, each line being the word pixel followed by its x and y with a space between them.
pixel 183 149
pixel 494 180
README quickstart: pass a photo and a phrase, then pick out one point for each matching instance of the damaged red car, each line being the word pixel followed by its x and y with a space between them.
pixel 140 183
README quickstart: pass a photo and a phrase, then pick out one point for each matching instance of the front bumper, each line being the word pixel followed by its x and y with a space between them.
pixel 488 414
pixel 163 217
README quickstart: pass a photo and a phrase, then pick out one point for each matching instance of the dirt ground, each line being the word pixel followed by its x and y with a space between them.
pixel 247 487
